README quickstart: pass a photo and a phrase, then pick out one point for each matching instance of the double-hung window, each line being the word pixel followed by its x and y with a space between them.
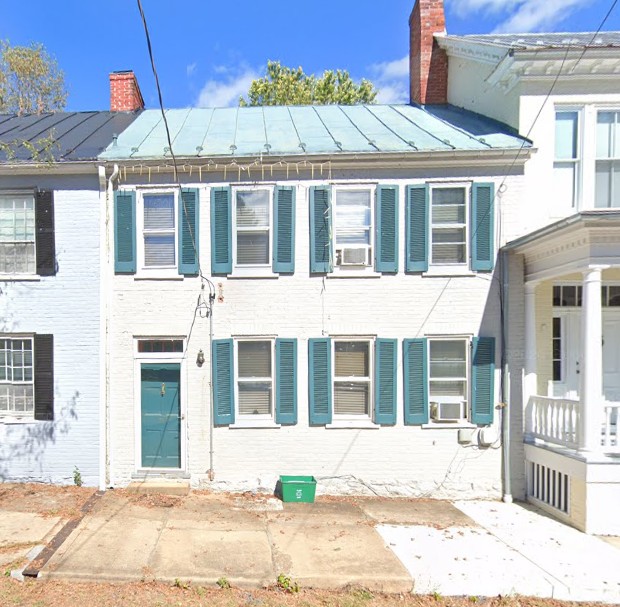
pixel 607 192
pixel 159 230
pixel 566 164
pixel 16 377
pixel 449 225
pixel 253 227
pixel 352 379
pixel 353 226
pixel 448 381
pixel 255 364
pixel 17 234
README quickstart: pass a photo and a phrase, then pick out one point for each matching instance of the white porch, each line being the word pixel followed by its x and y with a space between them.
pixel 571 369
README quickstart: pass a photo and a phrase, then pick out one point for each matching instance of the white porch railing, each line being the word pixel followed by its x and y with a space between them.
pixel 553 420
pixel 611 437
pixel 556 421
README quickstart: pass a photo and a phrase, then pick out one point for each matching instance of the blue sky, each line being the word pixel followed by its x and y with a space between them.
pixel 208 51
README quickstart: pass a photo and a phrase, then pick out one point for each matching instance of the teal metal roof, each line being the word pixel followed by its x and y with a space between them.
pixel 305 130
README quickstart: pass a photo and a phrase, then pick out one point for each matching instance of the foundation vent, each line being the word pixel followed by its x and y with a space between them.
pixel 548 486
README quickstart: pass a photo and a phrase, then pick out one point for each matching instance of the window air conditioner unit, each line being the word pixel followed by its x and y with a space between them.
pixel 448 410
pixel 354 256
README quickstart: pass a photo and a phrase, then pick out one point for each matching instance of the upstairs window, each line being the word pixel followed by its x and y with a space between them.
pixel 566 165
pixel 253 227
pixel 17 235
pixel 159 230
pixel 607 160
pixel 353 227
pixel 448 226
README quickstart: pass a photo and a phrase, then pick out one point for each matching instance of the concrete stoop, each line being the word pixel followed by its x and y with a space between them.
pixel 159 486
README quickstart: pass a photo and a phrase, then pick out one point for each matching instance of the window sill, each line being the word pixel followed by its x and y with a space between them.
pixel 449 425
pixel 16 421
pixel 352 424
pixel 19 277
pixel 159 276
pixel 448 271
pixel 249 423
pixel 252 273
pixel 364 273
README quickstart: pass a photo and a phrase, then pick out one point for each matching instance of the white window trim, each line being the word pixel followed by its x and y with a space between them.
pixel 253 270
pixel 163 272
pixel 361 271
pixel 161 357
pixel 616 159
pixel 464 422
pixel 579 161
pixel 354 421
pixel 261 420
pixel 25 417
pixel 8 276
pixel 450 269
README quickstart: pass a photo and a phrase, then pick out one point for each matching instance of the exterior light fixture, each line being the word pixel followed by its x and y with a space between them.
pixel 200 359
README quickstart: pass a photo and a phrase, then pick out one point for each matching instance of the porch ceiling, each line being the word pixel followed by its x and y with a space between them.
pixel 590 238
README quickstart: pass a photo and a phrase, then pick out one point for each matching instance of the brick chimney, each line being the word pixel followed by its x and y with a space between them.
pixel 125 95
pixel 428 64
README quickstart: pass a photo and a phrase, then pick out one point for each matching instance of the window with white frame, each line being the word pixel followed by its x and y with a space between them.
pixel 16 377
pixel 17 234
pixel 159 230
pixel 255 386
pixel 353 226
pixel 253 219
pixel 557 349
pixel 352 383
pixel 448 379
pixel 449 225
pixel 607 192
pixel 566 165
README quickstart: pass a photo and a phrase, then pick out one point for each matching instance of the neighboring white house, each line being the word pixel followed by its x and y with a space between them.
pixel 355 327
pixel 562 91
pixel 52 199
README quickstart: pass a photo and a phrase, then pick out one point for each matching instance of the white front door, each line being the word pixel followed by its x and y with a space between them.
pixel 611 355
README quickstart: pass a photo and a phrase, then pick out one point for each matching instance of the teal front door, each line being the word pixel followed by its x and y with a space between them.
pixel 161 415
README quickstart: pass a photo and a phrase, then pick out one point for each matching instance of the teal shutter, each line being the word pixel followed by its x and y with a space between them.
pixel 418 217
pixel 415 370
pixel 286 381
pixel 320 381
pixel 321 245
pixel 482 227
pixel 284 230
pixel 189 207
pixel 223 377
pixel 385 381
pixel 386 239
pixel 221 231
pixel 125 232
pixel 482 379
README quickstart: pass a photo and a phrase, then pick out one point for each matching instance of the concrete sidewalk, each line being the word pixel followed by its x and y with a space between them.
pixel 475 548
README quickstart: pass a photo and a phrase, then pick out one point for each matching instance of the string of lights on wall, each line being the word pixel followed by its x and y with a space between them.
pixel 321 169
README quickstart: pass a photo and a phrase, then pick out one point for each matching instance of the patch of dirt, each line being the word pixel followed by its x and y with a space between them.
pixel 183 593
pixel 47 500
pixel 153 500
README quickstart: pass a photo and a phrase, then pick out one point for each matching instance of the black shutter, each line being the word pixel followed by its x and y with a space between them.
pixel 44 377
pixel 45 241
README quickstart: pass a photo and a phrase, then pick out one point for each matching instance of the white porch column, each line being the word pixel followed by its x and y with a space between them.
pixel 591 385
pixel 530 377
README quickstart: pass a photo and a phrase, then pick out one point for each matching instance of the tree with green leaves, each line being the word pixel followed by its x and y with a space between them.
pixel 30 80
pixel 286 86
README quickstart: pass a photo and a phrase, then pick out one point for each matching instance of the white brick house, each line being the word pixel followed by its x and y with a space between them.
pixel 355 325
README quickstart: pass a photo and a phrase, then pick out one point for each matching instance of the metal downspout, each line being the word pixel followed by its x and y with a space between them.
pixel 507 497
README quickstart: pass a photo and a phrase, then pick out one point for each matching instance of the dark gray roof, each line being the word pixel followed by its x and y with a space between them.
pixel 545 40
pixel 76 135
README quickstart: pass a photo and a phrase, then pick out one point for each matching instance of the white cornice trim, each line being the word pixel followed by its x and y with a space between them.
pixel 466 49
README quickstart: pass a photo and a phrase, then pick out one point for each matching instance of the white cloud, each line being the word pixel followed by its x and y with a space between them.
pixel 225 92
pixel 391 78
pixel 191 68
pixel 521 16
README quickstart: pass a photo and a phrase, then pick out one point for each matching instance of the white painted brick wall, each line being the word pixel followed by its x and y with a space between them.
pixel 66 305
pixel 392 460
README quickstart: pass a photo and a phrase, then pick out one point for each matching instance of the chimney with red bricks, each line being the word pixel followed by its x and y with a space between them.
pixel 428 64
pixel 125 95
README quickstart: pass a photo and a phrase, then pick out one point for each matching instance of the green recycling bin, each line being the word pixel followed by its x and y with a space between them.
pixel 298 488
